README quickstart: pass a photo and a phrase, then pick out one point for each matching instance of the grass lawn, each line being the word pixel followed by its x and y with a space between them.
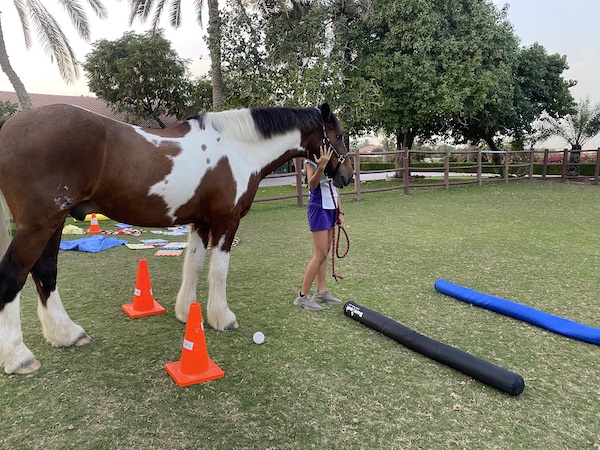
pixel 322 380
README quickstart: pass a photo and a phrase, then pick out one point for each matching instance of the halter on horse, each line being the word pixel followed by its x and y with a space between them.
pixel 62 160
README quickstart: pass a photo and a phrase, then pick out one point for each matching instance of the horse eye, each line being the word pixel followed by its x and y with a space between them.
pixel 339 136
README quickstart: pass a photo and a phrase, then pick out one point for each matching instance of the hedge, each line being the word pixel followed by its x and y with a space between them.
pixel 553 169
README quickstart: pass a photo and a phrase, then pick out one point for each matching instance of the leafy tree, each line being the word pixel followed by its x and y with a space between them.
pixel 201 94
pixel 576 129
pixel 246 72
pixel 296 53
pixel 8 108
pixel 433 60
pixel 354 93
pixel 532 86
pixel 276 56
pixel 143 8
pixel 141 76
pixel 52 38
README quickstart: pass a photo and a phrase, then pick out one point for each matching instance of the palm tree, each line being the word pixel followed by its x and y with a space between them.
pixel 55 43
pixel 576 128
pixel 143 8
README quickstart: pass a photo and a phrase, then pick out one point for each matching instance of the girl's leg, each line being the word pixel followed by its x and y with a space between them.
pixel 321 241
pixel 322 272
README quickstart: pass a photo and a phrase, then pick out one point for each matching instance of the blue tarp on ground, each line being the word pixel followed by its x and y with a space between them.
pixel 527 314
pixel 92 244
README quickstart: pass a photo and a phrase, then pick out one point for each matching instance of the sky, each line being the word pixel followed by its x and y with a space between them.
pixel 565 27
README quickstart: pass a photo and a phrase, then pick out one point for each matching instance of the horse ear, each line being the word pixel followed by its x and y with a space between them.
pixel 326 112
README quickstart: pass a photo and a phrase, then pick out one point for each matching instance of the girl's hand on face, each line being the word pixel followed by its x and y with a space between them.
pixel 324 156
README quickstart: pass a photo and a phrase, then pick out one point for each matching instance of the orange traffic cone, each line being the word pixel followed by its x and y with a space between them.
pixel 143 302
pixel 195 366
pixel 94 227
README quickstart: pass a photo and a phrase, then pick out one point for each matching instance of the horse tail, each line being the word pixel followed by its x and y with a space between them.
pixel 5 236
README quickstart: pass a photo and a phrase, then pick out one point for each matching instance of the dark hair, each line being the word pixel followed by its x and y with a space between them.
pixel 274 121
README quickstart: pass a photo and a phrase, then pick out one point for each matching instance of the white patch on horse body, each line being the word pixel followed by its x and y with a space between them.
pixel 231 135
pixel 13 352
pixel 57 327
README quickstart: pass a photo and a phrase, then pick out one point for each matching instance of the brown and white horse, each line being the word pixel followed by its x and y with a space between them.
pixel 62 160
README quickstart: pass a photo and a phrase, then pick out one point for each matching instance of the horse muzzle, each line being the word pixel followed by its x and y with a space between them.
pixel 342 179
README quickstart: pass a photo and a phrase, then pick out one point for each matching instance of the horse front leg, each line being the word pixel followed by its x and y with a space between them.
pixel 219 316
pixel 57 327
pixel 193 262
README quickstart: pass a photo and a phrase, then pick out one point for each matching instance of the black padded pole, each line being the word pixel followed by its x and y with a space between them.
pixel 484 371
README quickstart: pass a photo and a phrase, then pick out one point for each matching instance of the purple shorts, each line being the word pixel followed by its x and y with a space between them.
pixel 320 219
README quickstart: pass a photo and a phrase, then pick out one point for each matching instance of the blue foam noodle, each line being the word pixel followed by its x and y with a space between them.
pixel 558 325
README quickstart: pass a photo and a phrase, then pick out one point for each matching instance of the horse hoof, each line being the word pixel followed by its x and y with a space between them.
pixel 232 326
pixel 28 367
pixel 83 340
pixel 181 317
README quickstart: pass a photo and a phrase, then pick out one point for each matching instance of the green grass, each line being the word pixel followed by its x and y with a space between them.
pixel 322 380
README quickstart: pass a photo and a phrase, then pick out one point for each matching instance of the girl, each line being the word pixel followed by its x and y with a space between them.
pixel 322 217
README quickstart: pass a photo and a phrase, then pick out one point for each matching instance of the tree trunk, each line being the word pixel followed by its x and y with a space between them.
pixel 399 156
pixel 214 48
pixel 495 156
pixel 403 140
pixel 22 95
pixel 574 160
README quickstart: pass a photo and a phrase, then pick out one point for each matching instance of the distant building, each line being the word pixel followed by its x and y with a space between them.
pixel 369 149
pixel 93 104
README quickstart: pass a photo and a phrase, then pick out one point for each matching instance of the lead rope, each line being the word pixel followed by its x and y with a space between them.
pixel 335 243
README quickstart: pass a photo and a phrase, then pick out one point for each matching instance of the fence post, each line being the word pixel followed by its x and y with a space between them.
pixel 447 168
pixel 479 166
pixel 357 175
pixel 298 164
pixel 531 160
pixel 564 165
pixel 406 169
pixel 597 168
pixel 545 164
pixel 506 166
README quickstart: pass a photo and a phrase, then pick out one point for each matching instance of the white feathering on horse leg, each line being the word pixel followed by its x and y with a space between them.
pixel 14 355
pixel 192 265
pixel 58 328
pixel 219 316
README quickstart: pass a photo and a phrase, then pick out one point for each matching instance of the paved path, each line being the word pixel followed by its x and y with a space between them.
pixel 291 179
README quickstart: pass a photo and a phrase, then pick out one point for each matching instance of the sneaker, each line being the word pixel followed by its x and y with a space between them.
pixel 304 301
pixel 326 297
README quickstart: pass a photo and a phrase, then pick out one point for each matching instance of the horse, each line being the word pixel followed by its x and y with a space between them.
pixel 62 160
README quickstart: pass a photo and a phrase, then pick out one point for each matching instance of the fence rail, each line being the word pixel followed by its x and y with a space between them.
pixel 480 166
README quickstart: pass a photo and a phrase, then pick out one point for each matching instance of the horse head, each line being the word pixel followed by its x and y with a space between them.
pixel 339 168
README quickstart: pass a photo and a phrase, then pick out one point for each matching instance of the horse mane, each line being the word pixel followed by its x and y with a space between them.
pixel 256 124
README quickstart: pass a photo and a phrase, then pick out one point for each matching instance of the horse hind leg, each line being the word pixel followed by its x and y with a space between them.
pixel 193 262
pixel 57 327
pixel 14 355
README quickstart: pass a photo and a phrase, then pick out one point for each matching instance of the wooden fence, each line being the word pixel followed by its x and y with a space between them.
pixel 508 166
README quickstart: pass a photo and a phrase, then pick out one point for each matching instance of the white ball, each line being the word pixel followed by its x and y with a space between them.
pixel 258 337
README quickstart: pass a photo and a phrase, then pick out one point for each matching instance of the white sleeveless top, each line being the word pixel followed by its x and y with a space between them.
pixel 321 196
